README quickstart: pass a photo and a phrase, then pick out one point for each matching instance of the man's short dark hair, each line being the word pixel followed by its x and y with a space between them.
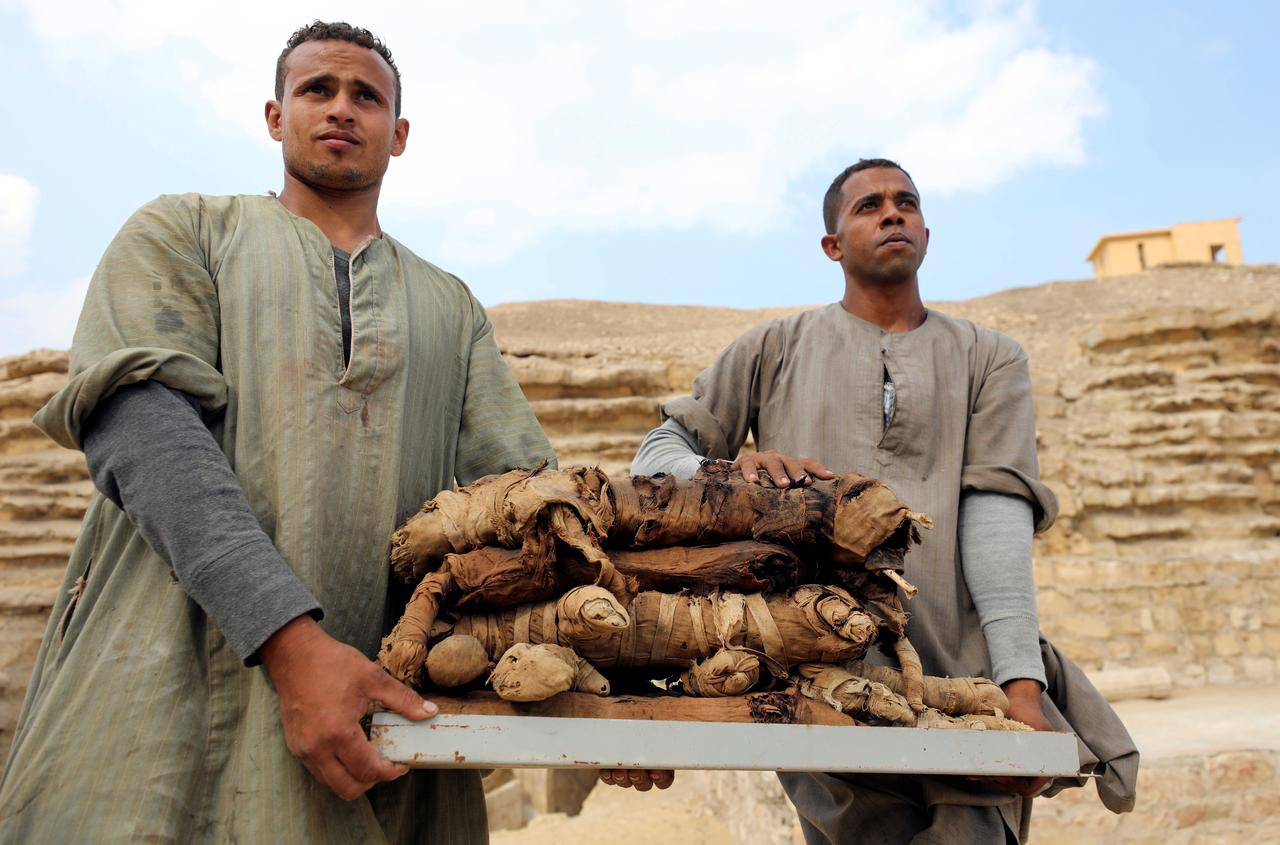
pixel 831 200
pixel 337 31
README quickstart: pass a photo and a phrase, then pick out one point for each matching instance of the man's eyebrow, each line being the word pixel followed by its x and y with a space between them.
pixel 318 79
pixel 371 88
pixel 879 195
pixel 330 79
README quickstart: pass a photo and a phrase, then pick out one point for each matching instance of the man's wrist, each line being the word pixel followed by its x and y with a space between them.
pixel 1022 688
pixel 288 640
pixel 1023 694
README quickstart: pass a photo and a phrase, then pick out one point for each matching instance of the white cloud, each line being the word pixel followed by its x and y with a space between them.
pixel 18 199
pixel 39 316
pixel 532 117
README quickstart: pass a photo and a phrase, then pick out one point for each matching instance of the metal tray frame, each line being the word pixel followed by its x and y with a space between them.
pixel 487 742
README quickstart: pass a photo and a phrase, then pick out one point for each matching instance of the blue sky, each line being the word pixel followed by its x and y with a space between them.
pixel 660 151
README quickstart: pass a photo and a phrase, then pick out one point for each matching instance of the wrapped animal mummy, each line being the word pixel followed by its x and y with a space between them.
pixel 846 519
pixel 720 640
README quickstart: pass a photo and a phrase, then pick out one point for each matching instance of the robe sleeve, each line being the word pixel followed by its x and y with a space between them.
pixel 725 402
pixel 151 312
pixel 1000 444
pixel 498 431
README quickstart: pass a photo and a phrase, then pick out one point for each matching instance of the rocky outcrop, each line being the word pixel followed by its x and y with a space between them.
pixel 1162 436
pixel 44 490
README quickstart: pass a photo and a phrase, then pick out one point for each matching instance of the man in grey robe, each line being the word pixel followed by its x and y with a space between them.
pixel 265 388
pixel 941 410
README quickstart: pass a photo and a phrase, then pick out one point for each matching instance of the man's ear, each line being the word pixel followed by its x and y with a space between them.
pixel 401 136
pixel 272 113
pixel 831 247
pixel 925 247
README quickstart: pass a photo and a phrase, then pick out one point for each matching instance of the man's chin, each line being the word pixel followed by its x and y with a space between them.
pixel 329 178
pixel 891 273
pixel 343 181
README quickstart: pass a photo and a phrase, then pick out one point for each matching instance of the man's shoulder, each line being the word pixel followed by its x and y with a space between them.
pixel 193 201
pixel 787 325
pixel 418 267
pixel 990 345
pixel 802 320
pixel 195 208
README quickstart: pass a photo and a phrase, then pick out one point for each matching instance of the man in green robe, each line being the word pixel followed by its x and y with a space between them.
pixel 265 387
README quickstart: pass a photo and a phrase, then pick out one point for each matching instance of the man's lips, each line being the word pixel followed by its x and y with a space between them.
pixel 338 140
pixel 896 238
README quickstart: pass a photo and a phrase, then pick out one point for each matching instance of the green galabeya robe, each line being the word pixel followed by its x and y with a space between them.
pixel 140 724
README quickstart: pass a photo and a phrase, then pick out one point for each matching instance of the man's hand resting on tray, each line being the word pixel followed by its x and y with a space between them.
pixel 642 779
pixel 1024 706
pixel 325 688
pixel 783 470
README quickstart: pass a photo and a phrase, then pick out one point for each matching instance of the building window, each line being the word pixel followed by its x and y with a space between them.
pixel 1215 253
pixel 1142 257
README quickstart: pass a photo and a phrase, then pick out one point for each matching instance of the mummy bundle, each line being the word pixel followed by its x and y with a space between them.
pixel 541 581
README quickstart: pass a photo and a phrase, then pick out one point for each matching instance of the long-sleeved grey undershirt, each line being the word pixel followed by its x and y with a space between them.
pixel 342 276
pixel 669 448
pixel 995 555
pixel 995 533
pixel 150 453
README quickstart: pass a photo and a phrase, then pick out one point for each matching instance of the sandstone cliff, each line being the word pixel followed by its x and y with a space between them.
pixel 44 491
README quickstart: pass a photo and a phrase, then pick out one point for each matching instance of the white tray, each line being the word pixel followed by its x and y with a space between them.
pixel 488 742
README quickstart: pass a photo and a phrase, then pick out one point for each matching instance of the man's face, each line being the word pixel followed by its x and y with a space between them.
pixel 337 119
pixel 880 234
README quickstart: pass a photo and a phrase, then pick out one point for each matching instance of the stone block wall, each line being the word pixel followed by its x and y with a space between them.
pixel 1205 621
pixel 1232 798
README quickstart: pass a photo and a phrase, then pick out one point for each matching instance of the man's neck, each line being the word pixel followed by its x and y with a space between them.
pixel 347 218
pixel 894 307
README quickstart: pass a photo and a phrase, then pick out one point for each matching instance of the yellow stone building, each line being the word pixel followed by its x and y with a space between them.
pixel 1203 242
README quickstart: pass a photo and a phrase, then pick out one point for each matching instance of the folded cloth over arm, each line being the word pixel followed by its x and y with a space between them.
pixel 1074 704
pixel 150 313
pixel 1000 442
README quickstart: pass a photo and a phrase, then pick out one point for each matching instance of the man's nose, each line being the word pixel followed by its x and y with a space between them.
pixel 892 215
pixel 340 109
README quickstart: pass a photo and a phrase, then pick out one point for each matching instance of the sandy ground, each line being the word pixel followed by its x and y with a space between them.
pixel 624 817
pixel 1204 721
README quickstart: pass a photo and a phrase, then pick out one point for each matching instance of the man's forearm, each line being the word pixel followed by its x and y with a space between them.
pixel 995 551
pixel 669 449
pixel 150 453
